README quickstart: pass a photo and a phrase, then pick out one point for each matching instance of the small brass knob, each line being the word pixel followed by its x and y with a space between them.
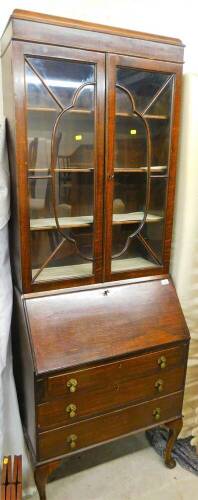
pixel 71 440
pixel 159 385
pixel 72 384
pixel 162 362
pixel 157 413
pixel 71 409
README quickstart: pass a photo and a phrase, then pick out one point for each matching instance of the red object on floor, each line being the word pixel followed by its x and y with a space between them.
pixel 11 478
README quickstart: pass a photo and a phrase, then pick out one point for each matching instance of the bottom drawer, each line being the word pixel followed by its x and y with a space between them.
pixel 64 440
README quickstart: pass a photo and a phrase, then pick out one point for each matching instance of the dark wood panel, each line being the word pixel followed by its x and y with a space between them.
pixel 9 113
pixel 91 40
pixel 108 395
pixel 98 324
pixel 26 25
pixel 153 52
pixel 170 200
pixel 20 50
pixel 104 377
pixel 61 21
pixel 99 429
pixel 113 62
pixel 23 368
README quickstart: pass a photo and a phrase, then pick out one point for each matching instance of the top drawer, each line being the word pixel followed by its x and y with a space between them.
pixel 103 377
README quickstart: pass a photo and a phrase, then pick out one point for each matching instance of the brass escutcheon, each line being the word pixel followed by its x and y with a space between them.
pixel 159 385
pixel 157 413
pixel 71 409
pixel 72 440
pixel 162 362
pixel 72 384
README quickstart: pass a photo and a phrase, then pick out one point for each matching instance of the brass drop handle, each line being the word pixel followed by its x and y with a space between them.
pixel 71 440
pixel 157 413
pixel 159 384
pixel 72 384
pixel 71 409
pixel 162 362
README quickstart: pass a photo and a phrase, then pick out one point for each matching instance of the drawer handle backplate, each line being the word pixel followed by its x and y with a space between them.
pixel 162 362
pixel 71 409
pixel 159 384
pixel 72 440
pixel 72 384
pixel 157 413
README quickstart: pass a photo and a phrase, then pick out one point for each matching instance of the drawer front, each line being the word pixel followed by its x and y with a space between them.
pixel 106 427
pixel 75 406
pixel 101 378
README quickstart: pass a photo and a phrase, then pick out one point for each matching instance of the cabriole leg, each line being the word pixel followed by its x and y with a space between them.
pixel 174 428
pixel 41 474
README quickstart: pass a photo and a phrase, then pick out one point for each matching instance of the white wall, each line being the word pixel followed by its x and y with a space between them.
pixel 172 17
pixel 184 265
pixel 175 18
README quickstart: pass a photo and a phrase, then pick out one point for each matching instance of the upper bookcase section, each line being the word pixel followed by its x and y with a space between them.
pixel 26 26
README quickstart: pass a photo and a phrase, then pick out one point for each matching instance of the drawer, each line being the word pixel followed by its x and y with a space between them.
pixel 116 393
pixel 83 383
pixel 96 430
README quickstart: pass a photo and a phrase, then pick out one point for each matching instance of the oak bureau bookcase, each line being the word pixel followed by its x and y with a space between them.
pixel 100 341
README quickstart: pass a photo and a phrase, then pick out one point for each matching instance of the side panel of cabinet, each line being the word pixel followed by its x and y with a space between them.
pixel 24 370
pixel 59 99
pixel 143 101
pixel 9 113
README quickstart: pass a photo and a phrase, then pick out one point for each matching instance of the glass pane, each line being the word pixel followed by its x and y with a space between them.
pixel 135 257
pixel 129 197
pixel 74 136
pixel 61 186
pixel 143 85
pixel 131 144
pixel 143 116
pixel 154 232
pixel 63 77
pixel 42 112
pixel 159 121
pixel 67 263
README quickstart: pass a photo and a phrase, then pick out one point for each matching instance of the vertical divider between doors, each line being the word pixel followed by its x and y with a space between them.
pixel 99 174
pixel 109 161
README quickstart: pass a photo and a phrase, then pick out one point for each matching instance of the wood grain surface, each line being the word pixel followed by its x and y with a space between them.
pixel 99 429
pixel 94 325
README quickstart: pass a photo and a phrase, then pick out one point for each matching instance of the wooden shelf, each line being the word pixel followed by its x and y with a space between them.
pixel 84 221
pixel 78 170
pixel 125 264
pixel 41 109
pixel 65 222
pixel 74 169
pixel 85 269
pixel 61 272
pixel 157 168
pixel 150 117
pixel 134 218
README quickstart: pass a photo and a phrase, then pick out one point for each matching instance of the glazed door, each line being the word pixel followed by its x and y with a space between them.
pixel 64 100
pixel 139 120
